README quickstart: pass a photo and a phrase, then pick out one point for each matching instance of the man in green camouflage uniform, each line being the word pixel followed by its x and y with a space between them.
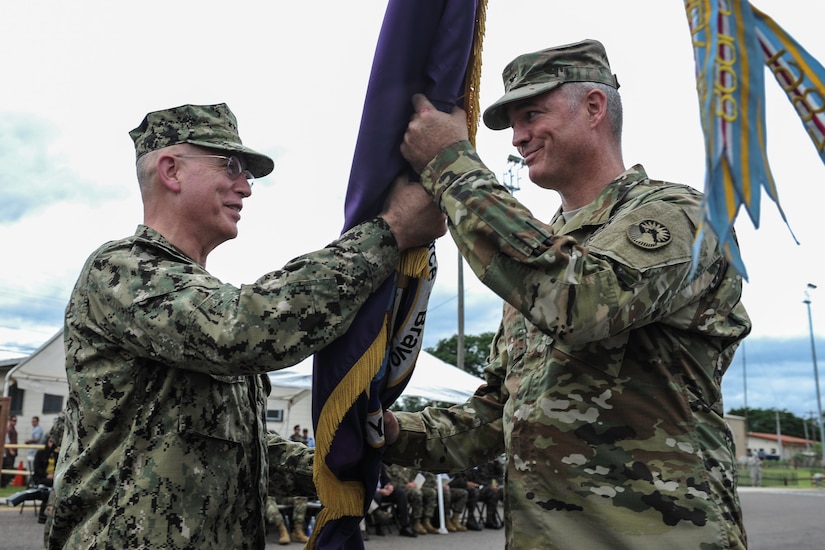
pixel 604 380
pixel 455 502
pixel 275 518
pixel 56 435
pixel 166 443
pixel 422 500
pixel 299 515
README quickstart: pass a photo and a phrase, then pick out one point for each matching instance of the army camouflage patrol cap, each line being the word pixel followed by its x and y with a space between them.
pixel 212 126
pixel 535 73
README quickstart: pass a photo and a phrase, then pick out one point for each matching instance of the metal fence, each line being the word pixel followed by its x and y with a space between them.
pixel 772 479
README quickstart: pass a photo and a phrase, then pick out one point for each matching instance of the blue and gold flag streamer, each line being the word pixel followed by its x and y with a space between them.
pixel 730 80
pixel 800 76
pixel 733 42
pixel 427 46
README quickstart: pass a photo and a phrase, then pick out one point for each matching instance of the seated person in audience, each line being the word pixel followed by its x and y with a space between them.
pixel 491 477
pixel 490 492
pixel 387 492
pixel 422 499
pixel 44 461
pixel 276 518
pixel 299 517
pixel 455 500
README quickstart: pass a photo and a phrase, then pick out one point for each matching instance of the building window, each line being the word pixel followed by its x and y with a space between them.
pixel 52 404
pixel 275 415
pixel 16 395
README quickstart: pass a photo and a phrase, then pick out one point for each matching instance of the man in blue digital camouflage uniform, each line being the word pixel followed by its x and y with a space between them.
pixel 165 443
pixel 603 385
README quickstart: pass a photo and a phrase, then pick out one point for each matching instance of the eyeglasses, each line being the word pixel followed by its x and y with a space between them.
pixel 233 167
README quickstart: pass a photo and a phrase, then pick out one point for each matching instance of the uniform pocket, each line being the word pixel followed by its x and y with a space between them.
pixel 606 355
pixel 213 406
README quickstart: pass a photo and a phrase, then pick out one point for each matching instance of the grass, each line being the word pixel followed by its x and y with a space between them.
pixel 800 478
pixel 8 491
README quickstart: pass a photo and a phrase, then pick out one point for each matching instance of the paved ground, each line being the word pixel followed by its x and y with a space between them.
pixel 776 519
pixel 780 519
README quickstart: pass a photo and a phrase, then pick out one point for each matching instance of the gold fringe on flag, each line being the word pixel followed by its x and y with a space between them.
pixel 473 78
pixel 346 498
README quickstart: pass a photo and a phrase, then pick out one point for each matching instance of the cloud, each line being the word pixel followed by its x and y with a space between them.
pixel 777 374
pixel 34 172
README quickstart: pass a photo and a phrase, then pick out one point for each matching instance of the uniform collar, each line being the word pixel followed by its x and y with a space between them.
pixel 599 211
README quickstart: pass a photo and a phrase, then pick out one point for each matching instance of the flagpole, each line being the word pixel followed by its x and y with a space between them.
pixel 807 302
pixel 745 383
pixel 459 357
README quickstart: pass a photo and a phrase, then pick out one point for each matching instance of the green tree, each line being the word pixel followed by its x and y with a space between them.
pixel 764 421
pixel 476 351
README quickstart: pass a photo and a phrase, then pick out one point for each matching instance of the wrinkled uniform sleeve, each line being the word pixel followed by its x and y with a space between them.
pixel 290 467
pixel 448 440
pixel 577 292
pixel 168 308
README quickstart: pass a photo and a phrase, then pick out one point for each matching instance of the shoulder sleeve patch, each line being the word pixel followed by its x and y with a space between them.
pixel 653 235
pixel 649 234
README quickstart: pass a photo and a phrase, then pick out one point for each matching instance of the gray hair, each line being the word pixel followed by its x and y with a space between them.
pixel 146 167
pixel 575 92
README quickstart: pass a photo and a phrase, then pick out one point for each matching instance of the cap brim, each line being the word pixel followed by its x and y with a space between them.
pixel 259 164
pixel 495 116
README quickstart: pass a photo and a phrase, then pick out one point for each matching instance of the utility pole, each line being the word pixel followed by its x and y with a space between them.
pixel 459 355
pixel 807 302
pixel 807 441
pixel 778 435
pixel 745 383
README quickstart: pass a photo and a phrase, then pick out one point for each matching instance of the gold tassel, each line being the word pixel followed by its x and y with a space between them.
pixel 415 263
pixel 473 79
pixel 346 498
pixel 343 498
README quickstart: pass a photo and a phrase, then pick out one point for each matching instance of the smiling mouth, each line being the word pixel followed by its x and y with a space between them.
pixel 528 157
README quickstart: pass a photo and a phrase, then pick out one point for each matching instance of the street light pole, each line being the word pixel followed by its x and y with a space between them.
pixel 807 302
pixel 459 354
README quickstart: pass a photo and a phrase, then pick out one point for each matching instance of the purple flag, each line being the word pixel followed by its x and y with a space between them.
pixel 424 46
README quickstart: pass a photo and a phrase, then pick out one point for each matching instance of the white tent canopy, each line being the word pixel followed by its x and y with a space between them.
pixel 432 379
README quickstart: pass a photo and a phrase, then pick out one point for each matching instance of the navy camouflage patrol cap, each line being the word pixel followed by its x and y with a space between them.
pixel 212 126
pixel 532 74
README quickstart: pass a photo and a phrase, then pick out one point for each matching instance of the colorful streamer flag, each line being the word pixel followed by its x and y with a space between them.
pixel 733 42
pixel 800 76
pixel 427 46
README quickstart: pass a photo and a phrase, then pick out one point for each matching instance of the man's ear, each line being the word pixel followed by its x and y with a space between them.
pixel 168 168
pixel 596 102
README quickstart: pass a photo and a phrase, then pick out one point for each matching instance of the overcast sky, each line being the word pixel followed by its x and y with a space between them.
pixel 79 75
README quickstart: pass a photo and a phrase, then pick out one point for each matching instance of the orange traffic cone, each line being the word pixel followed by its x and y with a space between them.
pixel 18 479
